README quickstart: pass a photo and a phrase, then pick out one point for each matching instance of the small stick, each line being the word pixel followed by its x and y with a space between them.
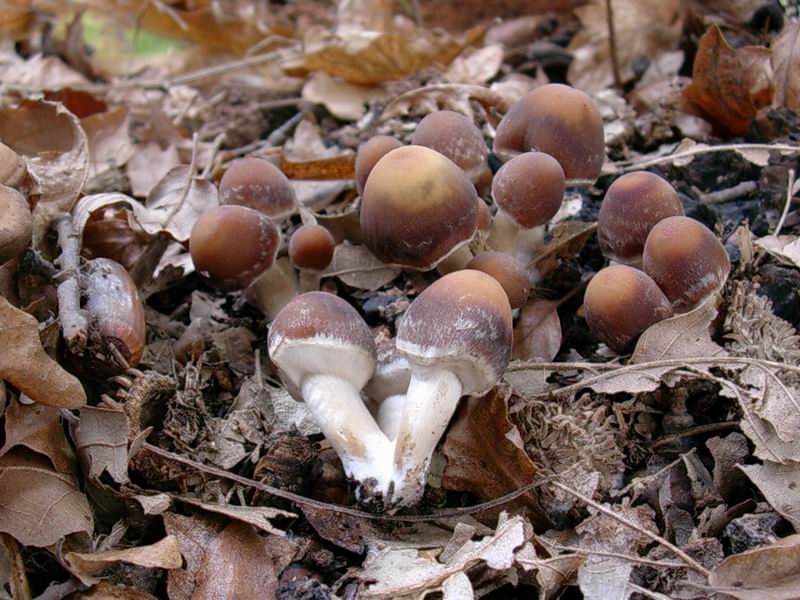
pixel 612 44
pixel 74 321
pixel 20 589
pixel 728 194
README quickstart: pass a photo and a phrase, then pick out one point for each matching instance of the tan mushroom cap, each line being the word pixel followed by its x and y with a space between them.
pixel 632 206
pixel 529 188
pixel 260 185
pixel 319 333
pixel 233 245
pixel 417 208
pixel 620 303
pixel 560 121
pixel 686 260
pixel 311 247
pixel 369 153
pixel 16 224
pixel 462 323
pixel 509 273
pixel 455 136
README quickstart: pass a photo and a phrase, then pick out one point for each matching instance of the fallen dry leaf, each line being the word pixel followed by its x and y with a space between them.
pixel 110 144
pixel 643 28
pixel 568 239
pixel 164 554
pixel 148 165
pixel 537 335
pixel 345 100
pixel 779 484
pixel 25 364
pixel 101 439
pixel 359 268
pixel 729 86
pixel 786 248
pixel 39 506
pixel 446 96
pixel 477 67
pixel 108 591
pixel 55 148
pixel 786 63
pixel 486 456
pixel 257 516
pixel 38 428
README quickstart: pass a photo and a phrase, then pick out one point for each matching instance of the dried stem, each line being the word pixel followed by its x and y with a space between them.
pixel 787 204
pixel 626 166
pixel 20 590
pixel 74 320
pixel 612 44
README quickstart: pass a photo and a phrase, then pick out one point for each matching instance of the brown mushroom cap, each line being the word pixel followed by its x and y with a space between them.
pixel 319 333
pixel 509 273
pixel 560 121
pixel 529 188
pixel 620 303
pixel 417 208
pixel 461 323
pixel 632 206
pixel 686 260
pixel 311 247
pixel 455 136
pixel 260 185
pixel 16 224
pixel 370 153
pixel 233 245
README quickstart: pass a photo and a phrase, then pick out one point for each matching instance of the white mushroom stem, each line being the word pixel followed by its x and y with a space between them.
pixel 508 237
pixel 346 422
pixel 432 397
pixel 309 280
pixel 389 413
pixel 276 287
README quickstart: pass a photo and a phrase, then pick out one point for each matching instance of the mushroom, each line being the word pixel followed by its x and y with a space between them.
pixel 325 354
pixel 620 303
pixel 509 273
pixel 234 247
pixel 456 337
pixel 387 388
pixel 417 209
pixel 311 252
pixel 453 135
pixel 560 121
pixel 16 224
pixel 369 153
pixel 260 185
pixel 633 204
pixel 686 260
pixel 528 191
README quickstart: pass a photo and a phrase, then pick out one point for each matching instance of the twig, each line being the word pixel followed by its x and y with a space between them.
pixel 628 165
pixel 628 557
pixel 302 500
pixel 185 193
pixel 20 590
pixel 728 194
pixel 690 562
pixel 700 429
pixel 218 141
pixel 787 204
pixel 74 320
pixel 612 44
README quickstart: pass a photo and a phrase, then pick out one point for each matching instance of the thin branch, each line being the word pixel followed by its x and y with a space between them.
pixel 629 165
pixel 20 589
pixel 787 204
pixel 700 429
pixel 732 193
pixel 635 559
pixel 690 562
pixel 74 320
pixel 612 44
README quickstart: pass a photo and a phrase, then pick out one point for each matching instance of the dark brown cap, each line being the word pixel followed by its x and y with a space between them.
pixel 632 206
pixel 509 273
pixel 417 208
pixel 560 121
pixel 233 245
pixel 16 224
pixel 369 153
pixel 620 303
pixel 311 247
pixel 258 184
pixel 455 136
pixel 461 323
pixel 529 188
pixel 686 260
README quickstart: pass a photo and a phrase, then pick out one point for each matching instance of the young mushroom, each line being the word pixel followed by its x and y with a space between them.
pixel 509 273
pixel 235 247
pixel 560 121
pixel 528 191
pixel 325 354
pixel 417 209
pixel 311 251
pixel 16 224
pixel 686 260
pixel 620 303
pixel 633 204
pixel 260 185
pixel 369 153
pixel 453 135
pixel 456 336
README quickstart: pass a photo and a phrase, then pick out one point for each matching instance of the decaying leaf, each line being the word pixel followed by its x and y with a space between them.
pixel 477 67
pixel 38 428
pixel 53 144
pixel 38 505
pixel 728 85
pixel 786 248
pixel 148 165
pixel 101 439
pixel 109 140
pixel 446 96
pixel 257 516
pixel 359 268
pixel 164 554
pixel 786 63
pixel 568 239
pixel 537 334
pixel 343 99
pixel 25 364
pixel 780 485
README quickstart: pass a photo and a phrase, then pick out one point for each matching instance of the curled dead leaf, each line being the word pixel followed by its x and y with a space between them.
pixel 537 334
pixel 164 554
pixel 447 96
pixel 786 62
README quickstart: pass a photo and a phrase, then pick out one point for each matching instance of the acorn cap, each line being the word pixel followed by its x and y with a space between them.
pixel 260 185
pixel 16 224
pixel 461 323
pixel 509 273
pixel 620 303
pixel 455 136
pixel 633 204
pixel 311 247
pixel 320 334
pixel 417 208
pixel 560 121
pixel 686 260
pixel 529 188
pixel 370 153
pixel 233 245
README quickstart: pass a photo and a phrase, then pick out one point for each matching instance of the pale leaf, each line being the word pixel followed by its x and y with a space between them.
pixel 780 485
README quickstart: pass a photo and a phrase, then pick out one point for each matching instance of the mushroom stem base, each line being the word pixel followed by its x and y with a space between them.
pixel 276 287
